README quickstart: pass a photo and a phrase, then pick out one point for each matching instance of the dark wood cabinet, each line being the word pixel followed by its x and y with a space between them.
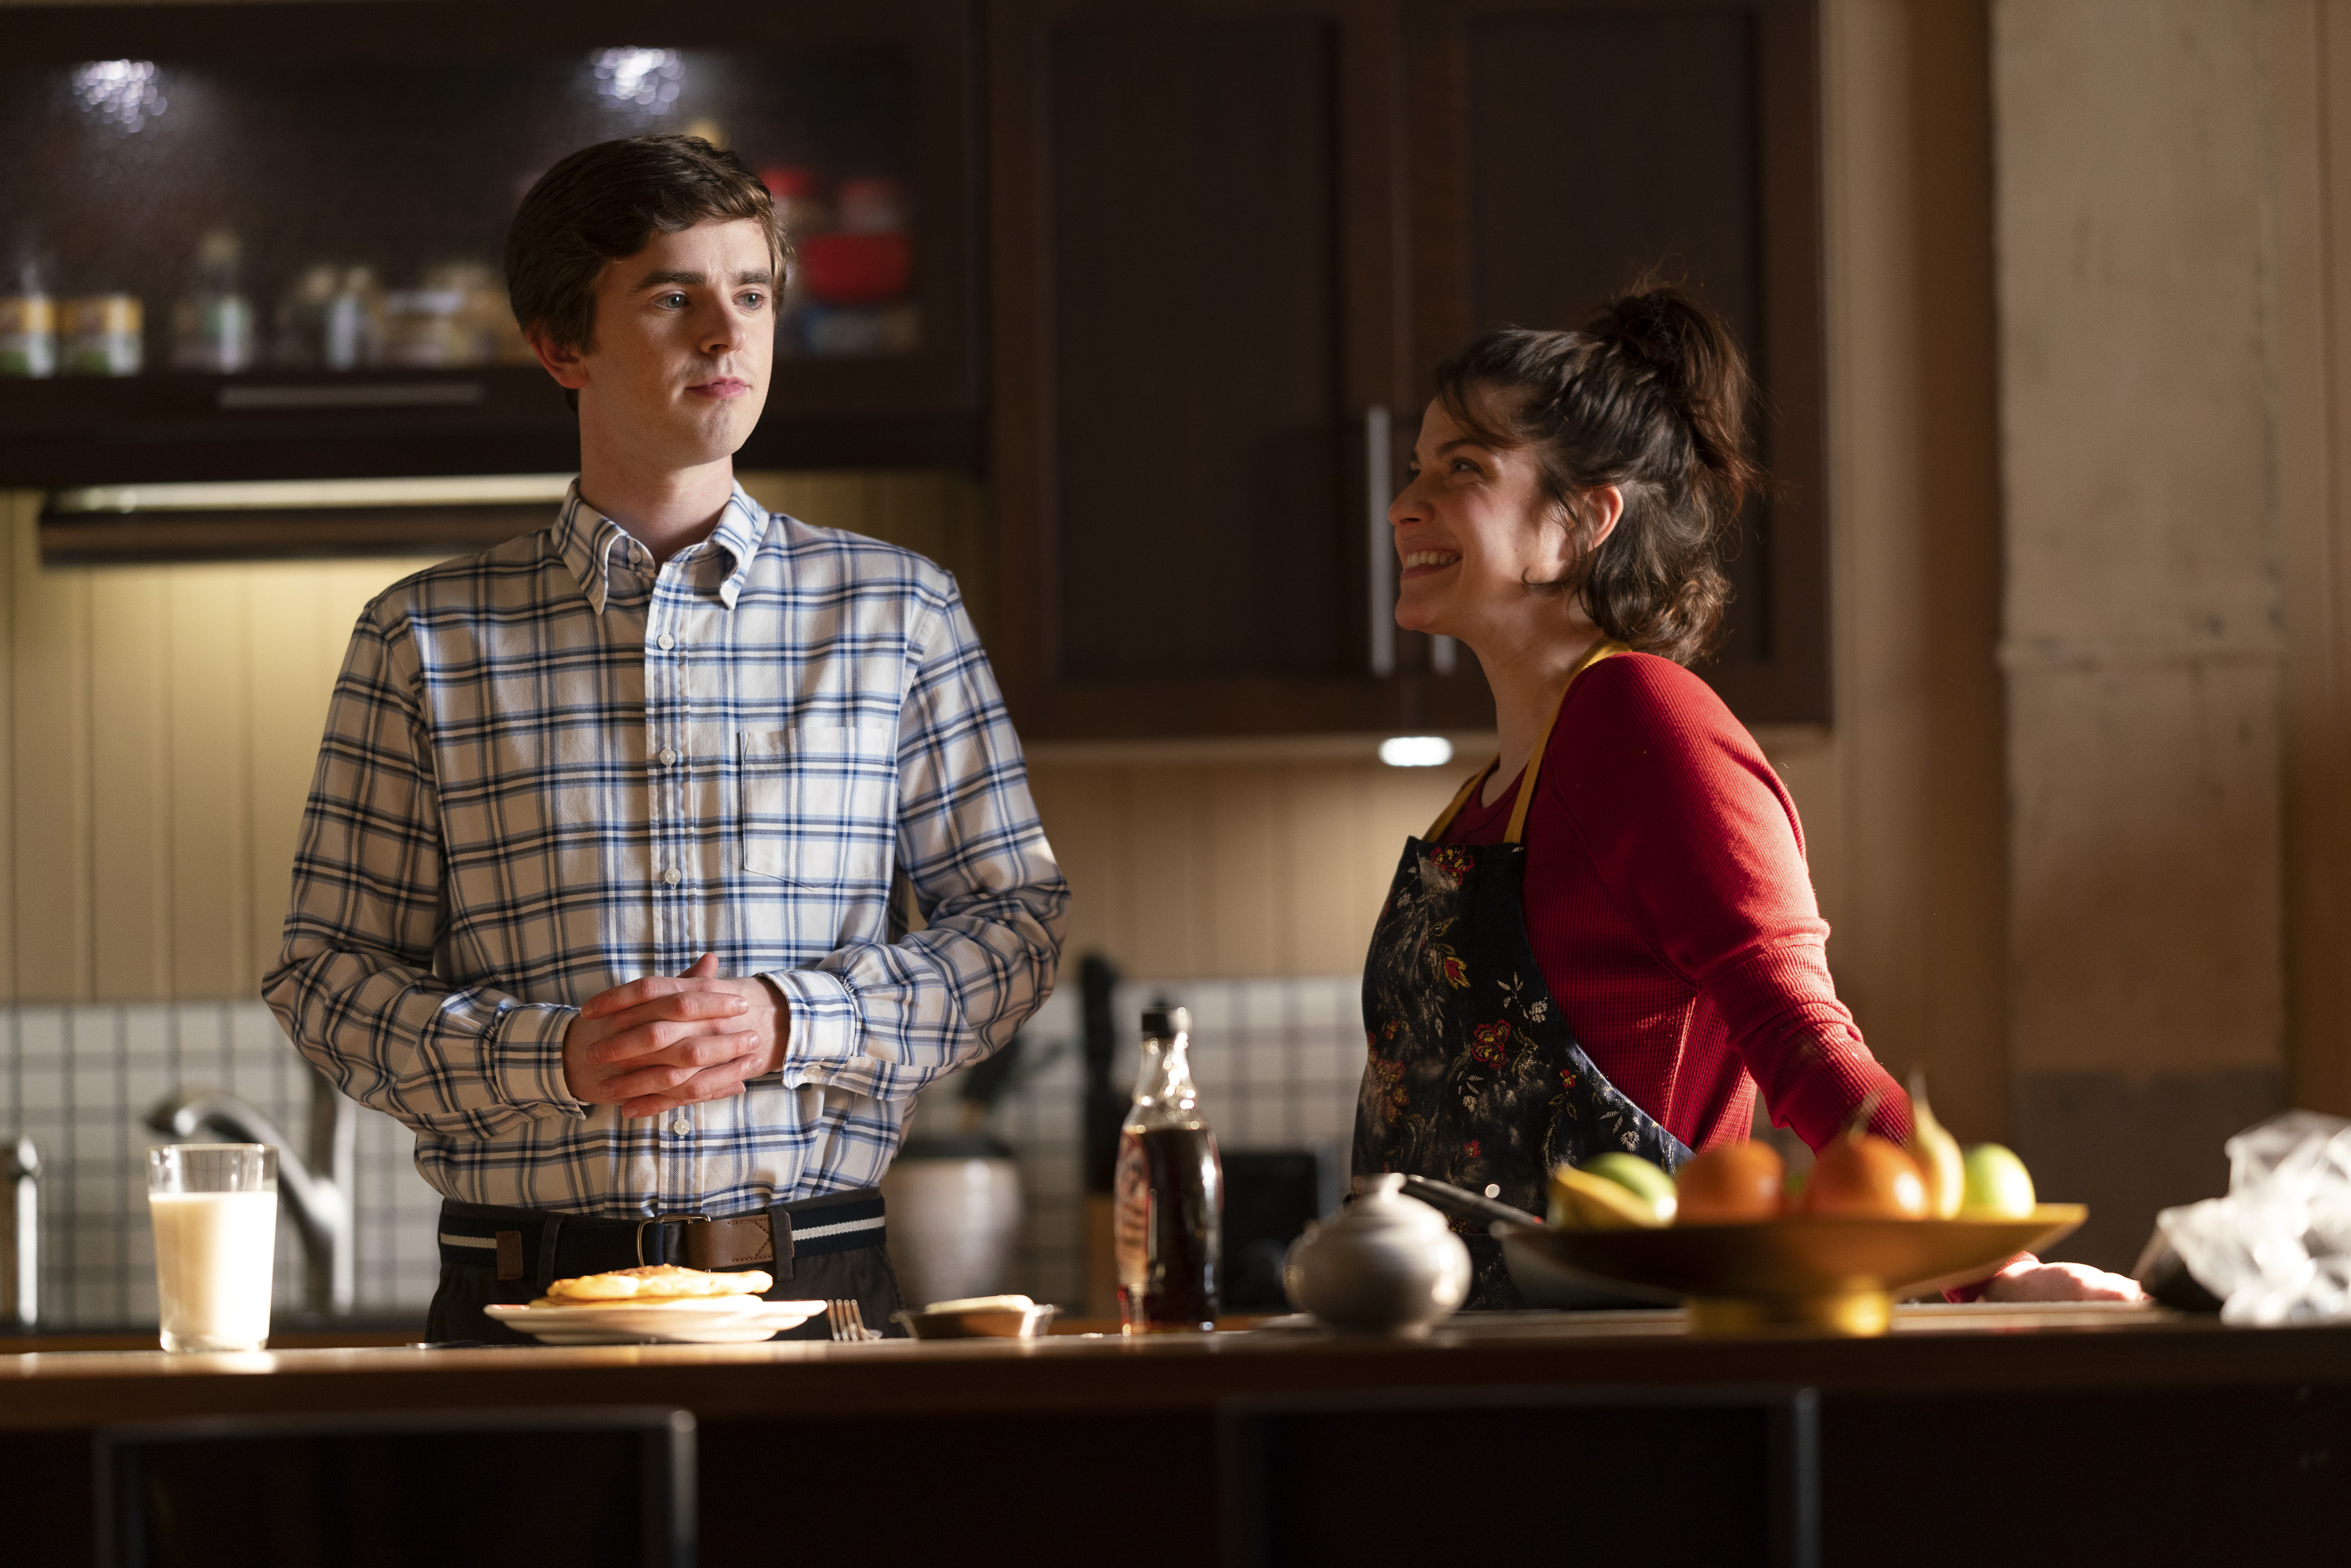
pixel 1198 236
pixel 1231 240
pixel 1560 150
pixel 1211 249
pixel 371 154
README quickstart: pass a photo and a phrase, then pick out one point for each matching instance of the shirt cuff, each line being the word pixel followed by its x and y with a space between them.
pixel 526 1062
pixel 823 1024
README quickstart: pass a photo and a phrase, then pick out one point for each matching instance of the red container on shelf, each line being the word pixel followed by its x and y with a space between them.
pixel 789 181
pixel 857 269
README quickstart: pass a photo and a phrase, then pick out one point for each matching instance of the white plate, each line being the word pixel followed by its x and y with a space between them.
pixel 623 1325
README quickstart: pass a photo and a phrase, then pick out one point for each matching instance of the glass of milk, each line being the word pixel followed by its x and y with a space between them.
pixel 215 1211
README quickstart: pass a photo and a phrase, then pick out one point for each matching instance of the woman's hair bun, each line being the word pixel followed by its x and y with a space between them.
pixel 1660 330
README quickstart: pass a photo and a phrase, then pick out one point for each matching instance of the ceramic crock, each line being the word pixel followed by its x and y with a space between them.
pixel 1384 1264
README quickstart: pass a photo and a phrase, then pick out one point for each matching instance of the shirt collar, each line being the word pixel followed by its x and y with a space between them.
pixel 590 542
pixel 740 528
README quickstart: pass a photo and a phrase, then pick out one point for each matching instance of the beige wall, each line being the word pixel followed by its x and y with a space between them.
pixel 2169 221
pixel 2306 52
pixel 1909 863
pixel 158 725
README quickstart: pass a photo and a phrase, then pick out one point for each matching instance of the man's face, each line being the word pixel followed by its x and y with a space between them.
pixel 684 334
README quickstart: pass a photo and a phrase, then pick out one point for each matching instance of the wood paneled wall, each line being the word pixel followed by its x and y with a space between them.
pixel 161 727
pixel 1270 859
pixel 158 727
pixel 162 721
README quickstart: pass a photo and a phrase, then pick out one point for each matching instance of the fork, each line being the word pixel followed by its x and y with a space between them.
pixel 847 1322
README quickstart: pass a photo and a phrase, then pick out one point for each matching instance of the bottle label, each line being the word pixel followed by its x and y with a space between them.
pixel 1131 1212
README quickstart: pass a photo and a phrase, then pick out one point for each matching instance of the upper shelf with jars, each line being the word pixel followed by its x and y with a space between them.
pixel 245 242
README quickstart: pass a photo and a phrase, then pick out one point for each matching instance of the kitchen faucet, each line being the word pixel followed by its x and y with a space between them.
pixel 319 1191
pixel 20 1222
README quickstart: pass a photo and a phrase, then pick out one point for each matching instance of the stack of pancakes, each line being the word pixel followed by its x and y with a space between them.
pixel 660 1285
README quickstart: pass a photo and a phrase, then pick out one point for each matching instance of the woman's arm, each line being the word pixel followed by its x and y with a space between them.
pixel 1698 843
pixel 1694 834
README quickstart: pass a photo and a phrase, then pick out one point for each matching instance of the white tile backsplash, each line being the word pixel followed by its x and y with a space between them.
pixel 1277 1061
pixel 79 1081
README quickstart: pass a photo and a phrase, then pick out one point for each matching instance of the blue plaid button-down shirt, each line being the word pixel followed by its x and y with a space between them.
pixel 555 766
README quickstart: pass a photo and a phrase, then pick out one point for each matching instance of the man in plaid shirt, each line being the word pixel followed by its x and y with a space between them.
pixel 594 889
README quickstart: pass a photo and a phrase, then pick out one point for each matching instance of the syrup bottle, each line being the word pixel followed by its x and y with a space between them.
pixel 1170 1190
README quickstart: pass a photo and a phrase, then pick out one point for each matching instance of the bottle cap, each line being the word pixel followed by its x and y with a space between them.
pixel 1165 1023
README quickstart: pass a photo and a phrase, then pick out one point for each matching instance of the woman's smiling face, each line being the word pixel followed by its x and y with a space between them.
pixel 1473 529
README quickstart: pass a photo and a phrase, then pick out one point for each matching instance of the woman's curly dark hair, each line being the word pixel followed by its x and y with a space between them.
pixel 1650 395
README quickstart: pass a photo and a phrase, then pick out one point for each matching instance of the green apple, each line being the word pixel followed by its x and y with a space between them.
pixel 1996 1185
pixel 1638 1177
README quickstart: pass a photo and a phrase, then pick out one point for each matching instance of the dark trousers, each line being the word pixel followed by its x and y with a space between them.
pixel 821 1248
pixel 864 1276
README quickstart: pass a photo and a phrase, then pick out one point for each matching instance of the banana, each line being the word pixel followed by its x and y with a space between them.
pixel 1582 1201
pixel 1937 1152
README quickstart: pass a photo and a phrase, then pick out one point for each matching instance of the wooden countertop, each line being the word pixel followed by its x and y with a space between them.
pixel 1934 1351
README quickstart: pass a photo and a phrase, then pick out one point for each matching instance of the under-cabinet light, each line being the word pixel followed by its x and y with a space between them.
pixel 311 494
pixel 1415 751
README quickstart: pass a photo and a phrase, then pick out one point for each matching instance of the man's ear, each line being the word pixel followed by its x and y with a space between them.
pixel 564 364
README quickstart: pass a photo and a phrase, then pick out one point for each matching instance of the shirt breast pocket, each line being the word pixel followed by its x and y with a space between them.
pixel 819 804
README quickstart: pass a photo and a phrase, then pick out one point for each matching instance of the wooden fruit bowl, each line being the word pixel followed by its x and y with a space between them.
pixel 1816 1272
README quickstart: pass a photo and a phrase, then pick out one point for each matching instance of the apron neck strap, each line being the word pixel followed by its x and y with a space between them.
pixel 1598 650
pixel 1460 799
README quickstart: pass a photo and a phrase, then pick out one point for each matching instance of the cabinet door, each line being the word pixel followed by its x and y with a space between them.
pixel 1195 240
pixel 360 163
pixel 1560 148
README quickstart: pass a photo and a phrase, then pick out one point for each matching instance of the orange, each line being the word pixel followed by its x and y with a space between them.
pixel 1865 1177
pixel 1730 1184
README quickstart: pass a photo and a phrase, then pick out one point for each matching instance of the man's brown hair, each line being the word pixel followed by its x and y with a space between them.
pixel 602 204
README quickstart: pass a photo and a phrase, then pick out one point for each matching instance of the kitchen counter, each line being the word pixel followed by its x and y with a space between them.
pixel 1975 1349
pixel 2077 1419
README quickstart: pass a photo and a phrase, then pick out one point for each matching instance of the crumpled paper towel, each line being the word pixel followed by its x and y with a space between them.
pixel 2277 1249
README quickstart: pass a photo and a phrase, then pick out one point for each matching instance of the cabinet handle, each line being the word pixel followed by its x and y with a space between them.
pixel 1379 474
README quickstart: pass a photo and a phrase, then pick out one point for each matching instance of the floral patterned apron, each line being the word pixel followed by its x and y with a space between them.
pixel 1473 1076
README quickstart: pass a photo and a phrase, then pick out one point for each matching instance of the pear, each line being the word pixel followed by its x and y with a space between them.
pixel 1937 1152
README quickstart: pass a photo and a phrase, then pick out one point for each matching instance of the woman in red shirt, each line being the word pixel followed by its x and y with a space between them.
pixel 1609 940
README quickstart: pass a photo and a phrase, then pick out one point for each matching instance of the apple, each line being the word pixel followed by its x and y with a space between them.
pixel 1652 1186
pixel 1996 1185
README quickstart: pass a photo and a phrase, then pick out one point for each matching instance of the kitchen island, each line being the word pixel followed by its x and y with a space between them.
pixel 2130 1431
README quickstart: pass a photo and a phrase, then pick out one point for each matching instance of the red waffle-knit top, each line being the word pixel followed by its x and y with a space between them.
pixel 1672 916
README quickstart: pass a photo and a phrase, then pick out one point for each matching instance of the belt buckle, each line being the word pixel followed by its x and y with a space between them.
pixel 677 1219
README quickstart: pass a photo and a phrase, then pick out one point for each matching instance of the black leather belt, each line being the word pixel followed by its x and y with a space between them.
pixel 527 1243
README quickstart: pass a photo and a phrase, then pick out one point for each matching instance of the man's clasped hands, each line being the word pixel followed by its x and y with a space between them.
pixel 662 1041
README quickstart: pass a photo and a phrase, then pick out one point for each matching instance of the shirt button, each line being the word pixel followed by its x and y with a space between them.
pixel 681 1126
pixel 673 876
pixel 668 757
pixel 664 642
